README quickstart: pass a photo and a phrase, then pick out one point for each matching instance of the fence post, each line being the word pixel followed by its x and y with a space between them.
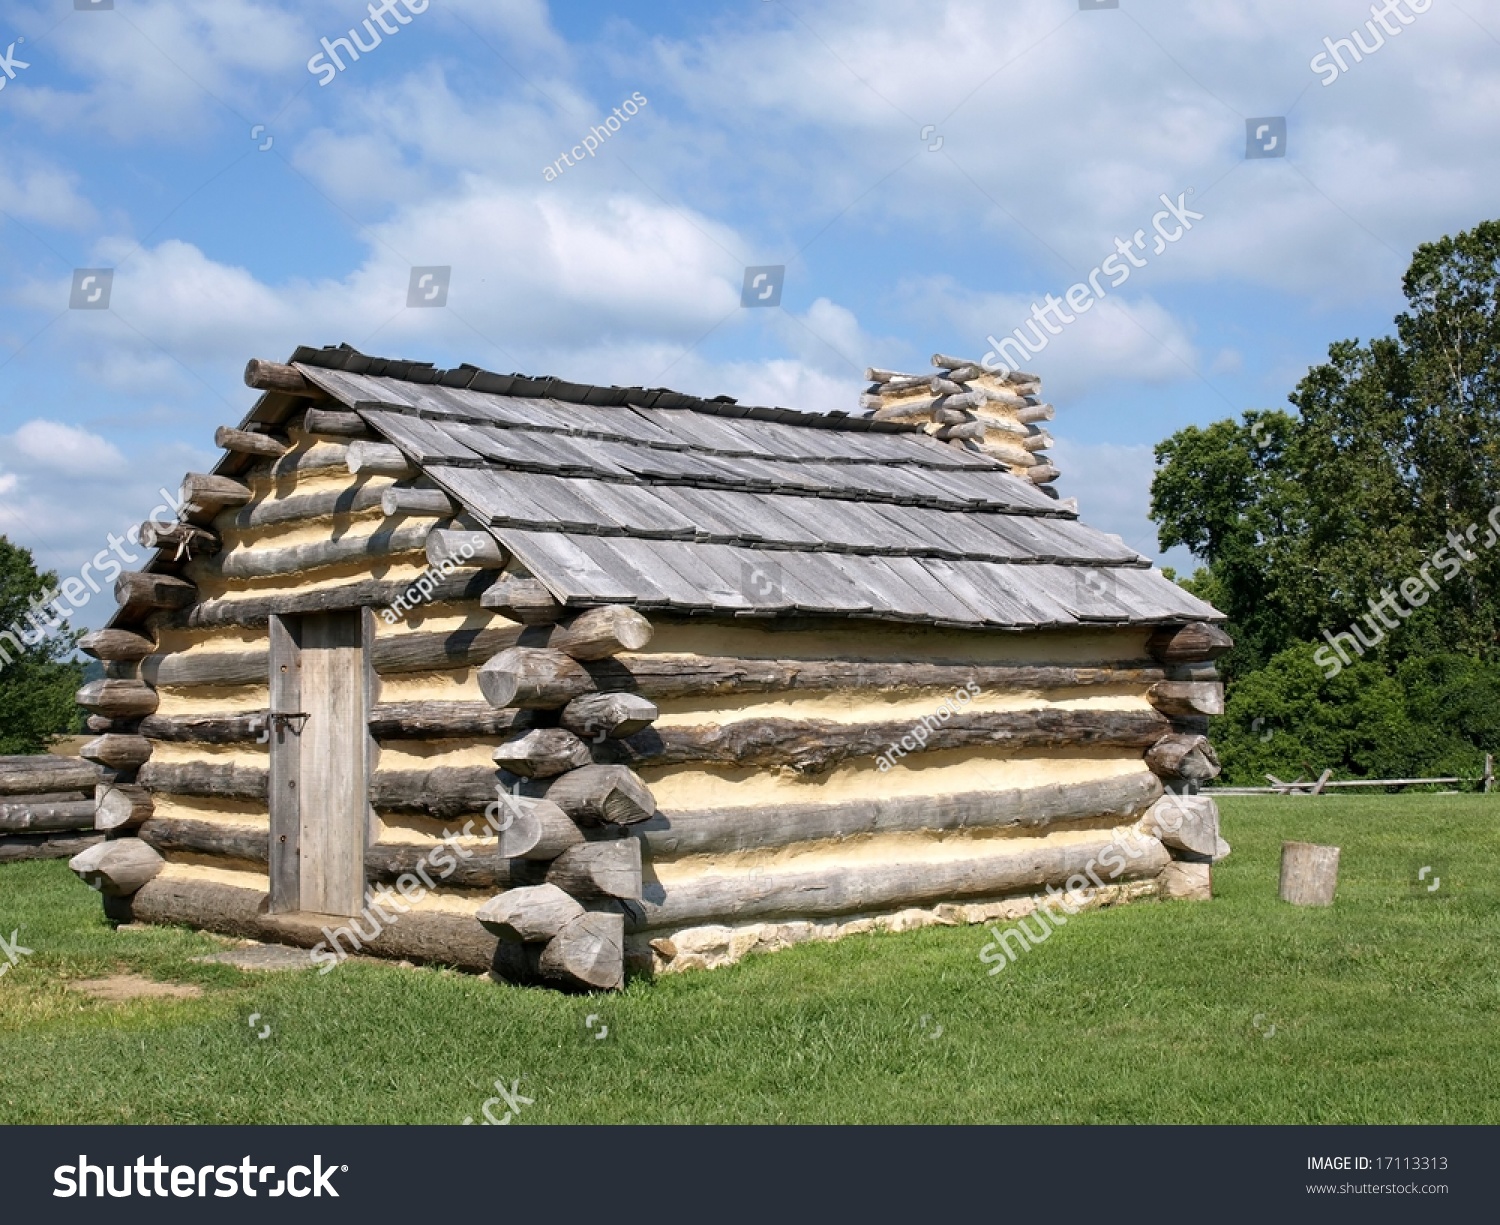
pixel 1489 772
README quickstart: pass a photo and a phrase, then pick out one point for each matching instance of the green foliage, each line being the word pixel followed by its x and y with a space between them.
pixel 37 681
pixel 1430 716
pixel 1302 521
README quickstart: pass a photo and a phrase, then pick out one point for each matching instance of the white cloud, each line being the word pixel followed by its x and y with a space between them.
pixel 53 447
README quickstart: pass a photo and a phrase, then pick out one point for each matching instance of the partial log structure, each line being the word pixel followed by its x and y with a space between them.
pixel 969 405
pixel 46 806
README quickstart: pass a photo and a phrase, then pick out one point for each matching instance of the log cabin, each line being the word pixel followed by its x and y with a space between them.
pixel 552 681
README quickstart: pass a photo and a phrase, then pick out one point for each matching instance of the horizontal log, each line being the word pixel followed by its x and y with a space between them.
pixel 116 645
pixel 183 537
pixel 905 410
pixel 310 455
pixel 211 779
pixel 446 547
pixel 423 936
pixel 814 746
pixel 243 442
pixel 1042 474
pixel 1041 441
pixel 1187 697
pixel 139 594
pixel 335 421
pixel 307 507
pixel 41 773
pixel 118 699
pixel 440 720
pixel 532 913
pixel 19 818
pixel 379 457
pixel 1191 643
pixel 1033 413
pixel 212 493
pixel 543 752
pixel 406 501
pixel 118 752
pixel 121 805
pixel 277 376
pixel 601 632
pixel 676 833
pixel 594 795
pixel 254 612
pixel 537 830
pixel 1183 756
pixel 610 869
pixel 588 954
pixel 522 599
pixel 237 728
pixel 534 681
pixel 21 847
pixel 1184 822
pixel 597 716
pixel 264 562
pixel 862 888
pixel 532 677
pixel 119 867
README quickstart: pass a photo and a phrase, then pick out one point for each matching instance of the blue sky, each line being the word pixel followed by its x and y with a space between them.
pixel 925 172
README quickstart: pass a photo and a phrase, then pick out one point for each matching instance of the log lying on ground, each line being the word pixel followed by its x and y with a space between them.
pixel 595 795
pixel 139 595
pixel 1183 756
pixel 116 645
pixel 677 833
pixel 586 955
pixel 456 548
pixel 118 867
pixel 613 716
pixel 813 746
pixel 533 913
pixel 522 599
pixel 1187 697
pixel 741 896
pixel 43 773
pixel 183 537
pixel 19 818
pixel 121 805
pixel 316 554
pixel 1309 873
pixel 406 501
pixel 255 611
pixel 1192 643
pixel 277 376
pixel 1185 822
pixel 609 869
pixel 421 936
pixel 379 457
pixel 542 753
pixel 335 421
pixel 20 847
pixel 243 442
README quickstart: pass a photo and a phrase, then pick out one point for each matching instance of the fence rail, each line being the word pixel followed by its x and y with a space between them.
pixel 1325 781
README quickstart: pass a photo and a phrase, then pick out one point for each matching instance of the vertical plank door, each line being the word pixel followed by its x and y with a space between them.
pixel 333 786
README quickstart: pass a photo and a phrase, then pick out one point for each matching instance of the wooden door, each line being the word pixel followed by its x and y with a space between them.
pixel 319 763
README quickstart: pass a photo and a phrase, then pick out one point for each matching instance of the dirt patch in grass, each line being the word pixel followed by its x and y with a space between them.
pixel 118 988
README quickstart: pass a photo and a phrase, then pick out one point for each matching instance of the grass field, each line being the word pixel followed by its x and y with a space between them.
pixel 1384 1010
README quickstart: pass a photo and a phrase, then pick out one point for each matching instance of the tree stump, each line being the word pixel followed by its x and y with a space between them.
pixel 1309 873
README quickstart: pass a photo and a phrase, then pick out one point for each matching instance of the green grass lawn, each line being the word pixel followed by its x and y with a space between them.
pixel 1384 1010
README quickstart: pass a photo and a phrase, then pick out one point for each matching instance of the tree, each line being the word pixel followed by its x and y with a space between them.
pixel 38 682
pixel 1390 463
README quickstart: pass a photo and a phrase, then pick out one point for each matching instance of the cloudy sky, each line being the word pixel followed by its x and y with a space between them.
pixel 924 173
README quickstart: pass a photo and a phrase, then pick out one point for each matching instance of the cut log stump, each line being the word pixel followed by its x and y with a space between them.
pixel 1309 873
pixel 117 868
